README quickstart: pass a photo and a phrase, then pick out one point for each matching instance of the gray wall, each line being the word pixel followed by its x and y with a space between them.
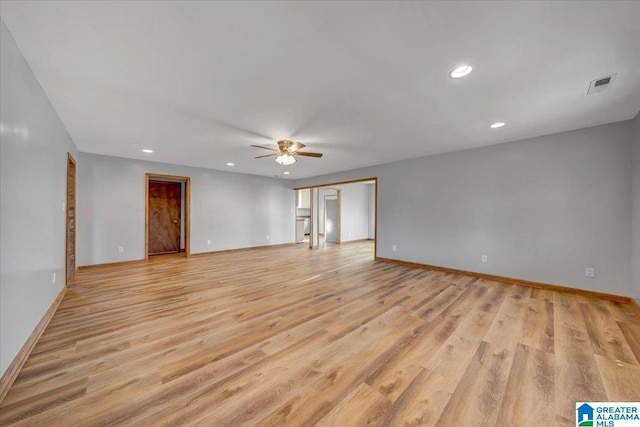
pixel 542 209
pixel 232 210
pixel 354 212
pixel 635 252
pixel 33 168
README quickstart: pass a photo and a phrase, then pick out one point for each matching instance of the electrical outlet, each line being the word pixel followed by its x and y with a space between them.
pixel 393 248
pixel 53 278
pixel 267 237
pixel 208 242
pixel 590 272
pixel 120 249
pixel 485 258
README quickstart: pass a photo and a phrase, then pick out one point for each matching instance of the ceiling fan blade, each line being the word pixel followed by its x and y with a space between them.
pixel 302 153
pixel 266 155
pixel 266 148
pixel 296 146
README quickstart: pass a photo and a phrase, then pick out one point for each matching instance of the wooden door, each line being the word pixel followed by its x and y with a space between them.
pixel 164 217
pixel 71 217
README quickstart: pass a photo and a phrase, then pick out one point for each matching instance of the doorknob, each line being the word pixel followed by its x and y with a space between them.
pixel 175 221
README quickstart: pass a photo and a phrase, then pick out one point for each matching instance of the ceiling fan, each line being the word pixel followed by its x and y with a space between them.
pixel 286 150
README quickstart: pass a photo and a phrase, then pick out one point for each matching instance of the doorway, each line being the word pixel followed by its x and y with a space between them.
pixel 357 212
pixel 166 214
pixel 328 216
pixel 302 209
pixel 332 219
pixel 70 256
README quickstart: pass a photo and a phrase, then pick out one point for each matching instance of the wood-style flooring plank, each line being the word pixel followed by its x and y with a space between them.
pixel 621 381
pixel 577 378
pixel 538 327
pixel 480 391
pixel 364 406
pixel 605 335
pixel 530 389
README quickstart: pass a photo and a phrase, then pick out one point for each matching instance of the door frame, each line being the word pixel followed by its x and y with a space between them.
pixel 295 216
pixel 67 254
pixel 353 181
pixel 187 209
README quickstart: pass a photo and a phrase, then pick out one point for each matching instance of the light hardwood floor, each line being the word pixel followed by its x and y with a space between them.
pixel 290 336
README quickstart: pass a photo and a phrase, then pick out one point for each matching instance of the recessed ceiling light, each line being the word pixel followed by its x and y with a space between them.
pixel 461 71
pixel 287 172
pixel 146 150
pixel 497 125
pixel 229 164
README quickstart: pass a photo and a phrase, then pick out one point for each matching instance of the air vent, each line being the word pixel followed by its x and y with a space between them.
pixel 601 84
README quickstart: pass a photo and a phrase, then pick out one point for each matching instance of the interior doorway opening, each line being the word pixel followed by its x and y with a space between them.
pixel 167 214
pixel 303 215
pixel 341 212
pixel 70 255
pixel 329 227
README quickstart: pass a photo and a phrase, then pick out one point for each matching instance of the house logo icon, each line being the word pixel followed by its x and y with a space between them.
pixel 585 415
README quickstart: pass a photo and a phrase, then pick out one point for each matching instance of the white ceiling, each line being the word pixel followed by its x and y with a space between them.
pixel 363 82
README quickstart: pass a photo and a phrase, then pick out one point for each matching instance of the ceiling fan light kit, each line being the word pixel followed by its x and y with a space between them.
pixel 285 152
pixel 285 159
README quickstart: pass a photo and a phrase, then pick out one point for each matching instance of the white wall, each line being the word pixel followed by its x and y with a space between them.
pixel 371 188
pixel 232 210
pixel 354 212
pixel 635 252
pixel 542 209
pixel 33 170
